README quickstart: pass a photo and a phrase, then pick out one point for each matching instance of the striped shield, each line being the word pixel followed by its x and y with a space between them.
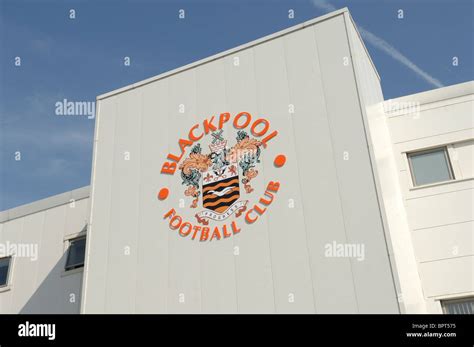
pixel 220 188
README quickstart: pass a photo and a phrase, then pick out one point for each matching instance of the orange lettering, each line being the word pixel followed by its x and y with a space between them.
pixel 208 126
pixel 168 168
pixel 188 225
pixel 175 158
pixel 196 229
pixel 265 123
pixel 193 137
pixel 175 218
pixel 247 217
pixel 204 234
pixel 247 122
pixel 223 118
pixel 266 202
pixel 259 210
pixel 235 229
pixel 273 186
pixel 216 233
pixel 225 232
pixel 183 144
pixel 268 138
pixel 171 212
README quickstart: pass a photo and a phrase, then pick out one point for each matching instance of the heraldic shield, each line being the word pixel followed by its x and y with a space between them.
pixel 221 193
pixel 220 188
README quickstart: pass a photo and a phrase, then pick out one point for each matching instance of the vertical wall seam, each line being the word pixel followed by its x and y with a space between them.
pixel 91 205
pixel 15 261
pixel 107 250
pixel 39 246
pixel 370 155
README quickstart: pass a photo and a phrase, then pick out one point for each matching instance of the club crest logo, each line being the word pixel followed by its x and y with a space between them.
pixel 218 181
pixel 220 194
pixel 216 176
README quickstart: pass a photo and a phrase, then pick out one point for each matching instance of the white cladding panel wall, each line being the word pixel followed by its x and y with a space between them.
pixel 384 165
pixel 278 264
pixel 41 285
pixel 441 216
pixel 377 137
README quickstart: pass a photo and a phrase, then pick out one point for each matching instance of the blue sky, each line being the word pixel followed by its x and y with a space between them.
pixel 82 58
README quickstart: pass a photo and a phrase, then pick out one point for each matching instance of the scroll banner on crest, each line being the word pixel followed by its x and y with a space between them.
pixel 221 216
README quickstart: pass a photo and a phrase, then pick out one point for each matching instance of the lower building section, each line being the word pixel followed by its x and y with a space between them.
pixel 42 255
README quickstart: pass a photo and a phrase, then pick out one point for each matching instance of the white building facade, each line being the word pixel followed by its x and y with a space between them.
pixel 437 127
pixel 270 178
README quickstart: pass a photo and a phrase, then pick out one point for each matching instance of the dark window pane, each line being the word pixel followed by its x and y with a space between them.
pixel 430 167
pixel 4 266
pixel 77 250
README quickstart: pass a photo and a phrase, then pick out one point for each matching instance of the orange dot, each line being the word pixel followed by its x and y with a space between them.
pixel 280 160
pixel 163 194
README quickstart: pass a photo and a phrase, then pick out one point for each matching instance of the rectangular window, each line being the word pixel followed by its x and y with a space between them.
pixel 458 306
pixel 430 166
pixel 4 270
pixel 76 253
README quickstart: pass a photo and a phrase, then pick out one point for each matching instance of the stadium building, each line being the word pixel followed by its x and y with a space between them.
pixel 270 178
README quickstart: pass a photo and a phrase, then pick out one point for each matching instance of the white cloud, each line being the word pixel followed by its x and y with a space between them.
pixel 385 47
pixel 323 5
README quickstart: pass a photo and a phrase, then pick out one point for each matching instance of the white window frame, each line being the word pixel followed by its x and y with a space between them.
pixel 7 286
pixel 67 244
pixel 443 302
pixel 460 176
pixel 448 151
